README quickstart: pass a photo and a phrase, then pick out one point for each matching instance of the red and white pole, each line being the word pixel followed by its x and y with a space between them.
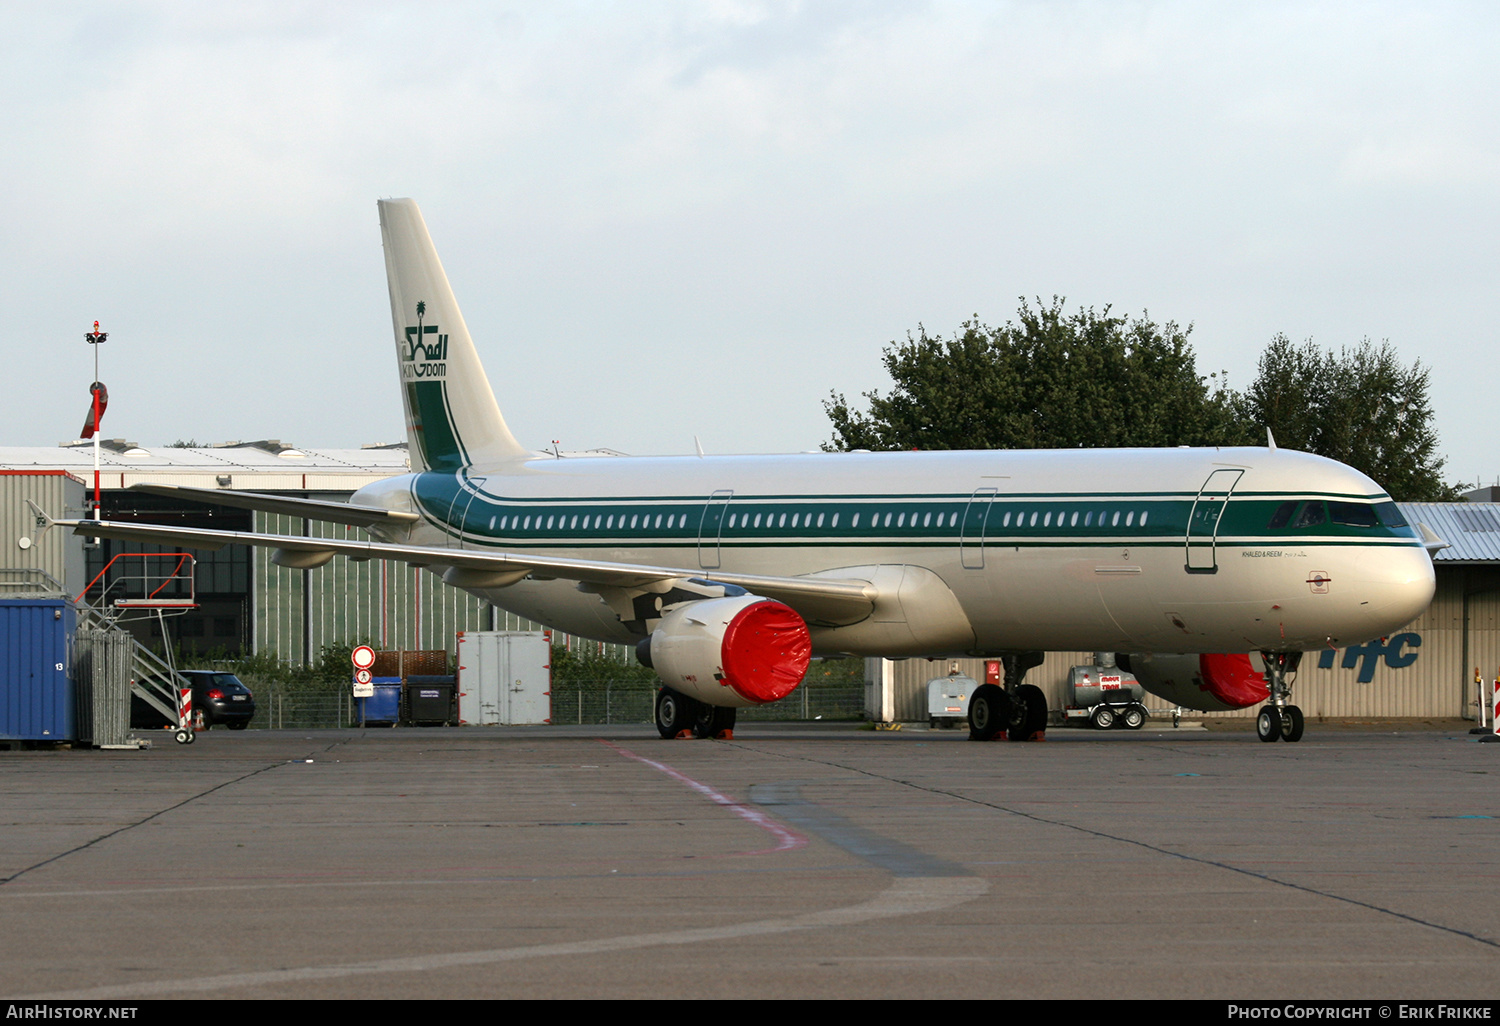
pixel 1495 705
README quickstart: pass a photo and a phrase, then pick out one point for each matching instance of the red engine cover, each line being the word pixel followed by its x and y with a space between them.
pixel 766 652
pixel 1210 682
pixel 738 651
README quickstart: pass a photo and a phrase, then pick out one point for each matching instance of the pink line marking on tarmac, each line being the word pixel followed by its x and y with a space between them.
pixel 787 839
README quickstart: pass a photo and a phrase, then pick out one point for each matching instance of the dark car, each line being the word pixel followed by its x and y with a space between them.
pixel 218 697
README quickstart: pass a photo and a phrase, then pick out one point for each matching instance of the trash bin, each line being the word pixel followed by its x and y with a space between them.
pixel 384 708
pixel 430 700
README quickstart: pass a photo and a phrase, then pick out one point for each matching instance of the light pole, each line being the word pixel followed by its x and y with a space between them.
pixel 96 338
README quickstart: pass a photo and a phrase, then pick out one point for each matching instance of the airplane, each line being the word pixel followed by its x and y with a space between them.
pixel 730 573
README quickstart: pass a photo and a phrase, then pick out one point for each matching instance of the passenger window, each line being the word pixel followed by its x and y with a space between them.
pixel 1143 518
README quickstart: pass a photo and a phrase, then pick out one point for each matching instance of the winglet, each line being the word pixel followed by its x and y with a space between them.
pixel 43 521
pixel 1270 440
pixel 1430 541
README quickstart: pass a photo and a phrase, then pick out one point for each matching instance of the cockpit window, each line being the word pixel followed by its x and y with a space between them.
pixel 1389 514
pixel 1353 514
pixel 1283 515
pixel 1312 514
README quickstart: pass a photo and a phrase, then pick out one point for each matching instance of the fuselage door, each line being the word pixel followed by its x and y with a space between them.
pixel 711 527
pixel 1203 521
pixel 473 519
pixel 458 508
pixel 971 541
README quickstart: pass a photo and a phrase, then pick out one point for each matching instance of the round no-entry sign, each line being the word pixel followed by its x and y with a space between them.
pixel 362 676
pixel 363 657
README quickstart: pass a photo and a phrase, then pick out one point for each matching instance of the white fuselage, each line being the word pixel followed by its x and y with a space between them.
pixel 971 552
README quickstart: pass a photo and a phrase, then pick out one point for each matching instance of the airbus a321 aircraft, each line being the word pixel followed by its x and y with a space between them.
pixel 729 573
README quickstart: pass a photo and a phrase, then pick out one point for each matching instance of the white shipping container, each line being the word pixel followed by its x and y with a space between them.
pixel 504 678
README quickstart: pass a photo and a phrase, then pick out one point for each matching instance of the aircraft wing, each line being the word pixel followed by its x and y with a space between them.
pixel 312 509
pixel 816 599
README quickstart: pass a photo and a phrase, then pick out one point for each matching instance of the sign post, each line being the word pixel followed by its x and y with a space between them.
pixel 363 659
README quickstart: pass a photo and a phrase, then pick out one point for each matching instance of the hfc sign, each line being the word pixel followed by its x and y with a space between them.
pixel 1366 657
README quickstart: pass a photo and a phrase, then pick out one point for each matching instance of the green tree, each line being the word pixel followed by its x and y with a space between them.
pixel 1049 380
pixel 1361 407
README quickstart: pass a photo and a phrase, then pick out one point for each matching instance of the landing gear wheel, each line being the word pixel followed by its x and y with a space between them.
pixel 184 737
pixel 1291 724
pixel 714 721
pixel 1268 723
pixel 1028 713
pixel 1102 718
pixel 674 713
pixel 1133 718
pixel 989 712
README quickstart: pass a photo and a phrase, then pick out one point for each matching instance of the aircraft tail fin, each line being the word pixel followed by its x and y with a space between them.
pixel 452 419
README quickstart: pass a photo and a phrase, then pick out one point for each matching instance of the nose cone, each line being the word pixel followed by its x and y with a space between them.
pixel 1395 586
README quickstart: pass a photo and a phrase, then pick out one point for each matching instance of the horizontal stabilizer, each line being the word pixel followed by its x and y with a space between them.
pixel 312 509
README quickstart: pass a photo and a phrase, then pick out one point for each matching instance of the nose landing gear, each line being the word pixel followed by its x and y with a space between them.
pixel 1279 719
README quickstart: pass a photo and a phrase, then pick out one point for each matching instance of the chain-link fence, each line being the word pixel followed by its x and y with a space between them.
pixel 299 707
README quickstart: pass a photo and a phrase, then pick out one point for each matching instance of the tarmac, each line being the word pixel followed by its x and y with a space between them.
pixel 807 861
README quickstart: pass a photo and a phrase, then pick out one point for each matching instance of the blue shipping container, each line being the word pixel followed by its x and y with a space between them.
pixel 37 702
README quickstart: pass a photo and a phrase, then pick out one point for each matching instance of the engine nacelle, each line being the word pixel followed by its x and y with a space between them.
pixel 1211 683
pixel 738 651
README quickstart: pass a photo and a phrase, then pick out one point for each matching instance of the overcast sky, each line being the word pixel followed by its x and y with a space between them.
pixel 674 219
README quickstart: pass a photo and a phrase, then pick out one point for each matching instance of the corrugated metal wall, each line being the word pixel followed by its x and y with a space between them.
pixel 59 553
pixel 391 605
pixel 1423 671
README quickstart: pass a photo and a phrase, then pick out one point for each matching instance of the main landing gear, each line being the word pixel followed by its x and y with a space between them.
pixel 677 715
pixel 1279 719
pixel 1020 710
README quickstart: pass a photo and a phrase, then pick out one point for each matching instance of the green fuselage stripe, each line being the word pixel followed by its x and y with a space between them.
pixel 1082 520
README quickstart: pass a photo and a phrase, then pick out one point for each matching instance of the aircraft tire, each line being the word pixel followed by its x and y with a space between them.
pixel 1292 724
pixel 1268 723
pixel 1102 718
pixel 1134 718
pixel 674 713
pixel 989 712
pixel 712 720
pixel 1028 713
